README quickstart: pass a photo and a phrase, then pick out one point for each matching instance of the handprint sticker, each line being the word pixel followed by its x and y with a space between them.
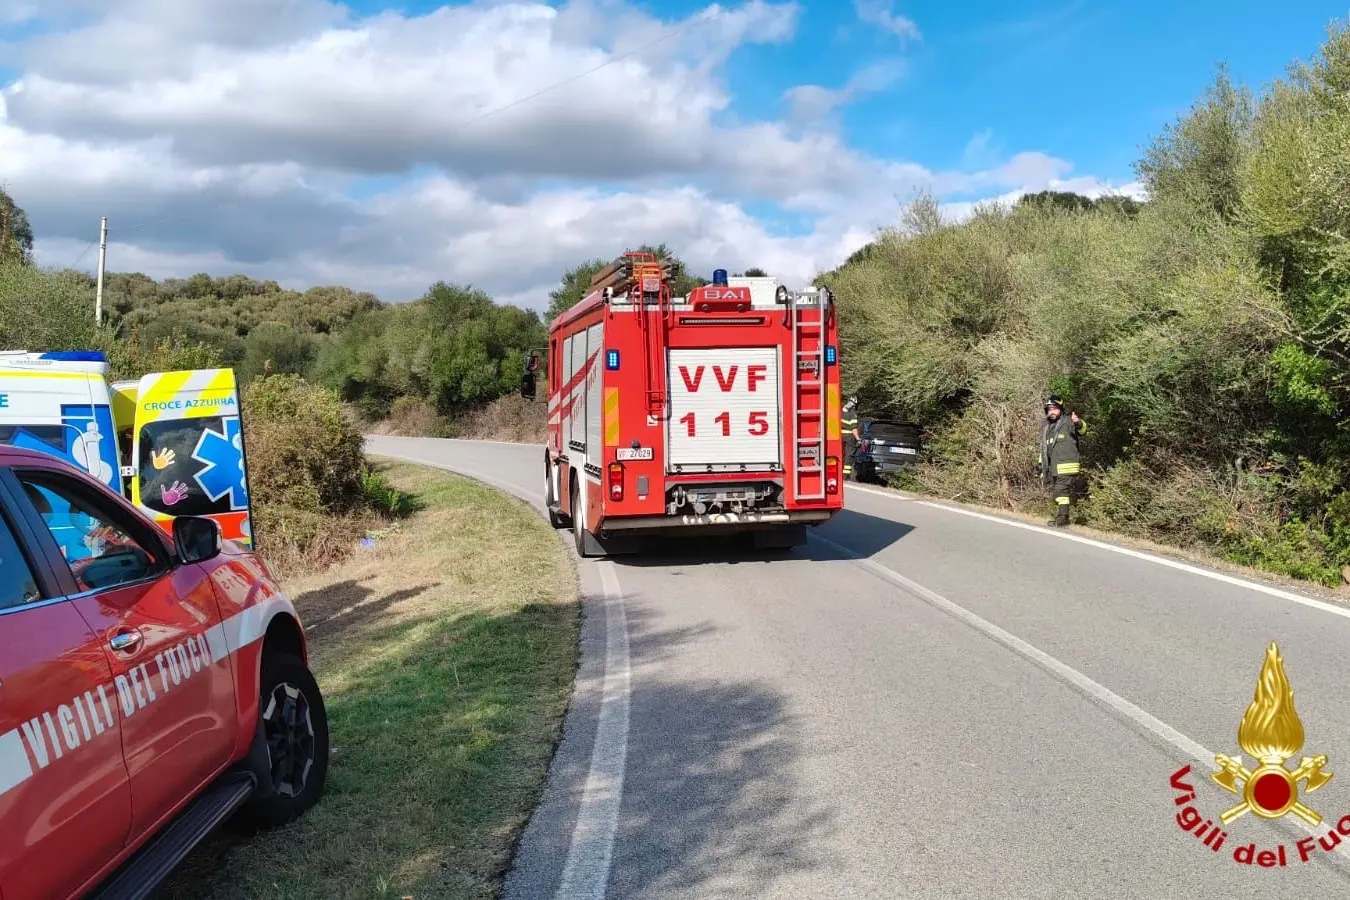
pixel 162 459
pixel 174 493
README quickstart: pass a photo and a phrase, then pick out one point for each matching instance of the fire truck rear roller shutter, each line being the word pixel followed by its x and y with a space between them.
pixel 733 424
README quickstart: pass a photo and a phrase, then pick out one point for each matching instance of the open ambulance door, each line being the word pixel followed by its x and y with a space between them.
pixel 188 451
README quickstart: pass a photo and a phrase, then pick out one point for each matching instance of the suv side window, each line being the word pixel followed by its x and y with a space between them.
pixel 17 587
pixel 101 552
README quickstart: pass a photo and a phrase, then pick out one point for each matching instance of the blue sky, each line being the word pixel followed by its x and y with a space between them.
pixel 1087 82
pixel 337 154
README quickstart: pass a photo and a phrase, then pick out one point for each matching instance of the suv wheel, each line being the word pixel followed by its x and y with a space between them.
pixel 294 726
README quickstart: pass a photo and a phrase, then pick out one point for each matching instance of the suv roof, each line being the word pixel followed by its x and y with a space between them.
pixel 9 455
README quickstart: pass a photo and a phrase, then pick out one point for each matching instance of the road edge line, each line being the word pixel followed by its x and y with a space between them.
pixel 590 851
pixel 1234 580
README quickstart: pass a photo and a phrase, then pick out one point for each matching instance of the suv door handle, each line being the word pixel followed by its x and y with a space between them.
pixel 125 641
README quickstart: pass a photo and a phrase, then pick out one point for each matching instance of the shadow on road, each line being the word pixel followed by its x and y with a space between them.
pixel 712 804
pixel 864 534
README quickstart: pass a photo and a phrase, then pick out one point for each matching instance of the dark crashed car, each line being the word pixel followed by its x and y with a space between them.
pixel 886 449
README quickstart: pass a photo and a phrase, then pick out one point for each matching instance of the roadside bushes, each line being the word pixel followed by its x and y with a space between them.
pixel 44 310
pixel 1204 336
pixel 455 349
pixel 313 494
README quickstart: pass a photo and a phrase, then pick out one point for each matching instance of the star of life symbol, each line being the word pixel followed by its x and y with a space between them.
pixel 224 458
pixel 1271 732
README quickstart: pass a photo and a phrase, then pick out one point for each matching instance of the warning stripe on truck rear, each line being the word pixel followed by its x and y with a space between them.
pixel 611 417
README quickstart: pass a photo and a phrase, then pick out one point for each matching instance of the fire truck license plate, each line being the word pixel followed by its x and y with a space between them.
pixel 639 453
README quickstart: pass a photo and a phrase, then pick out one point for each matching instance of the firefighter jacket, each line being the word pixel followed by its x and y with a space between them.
pixel 848 422
pixel 1058 455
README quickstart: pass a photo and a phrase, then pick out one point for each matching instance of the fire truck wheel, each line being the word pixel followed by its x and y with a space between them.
pixel 556 517
pixel 587 546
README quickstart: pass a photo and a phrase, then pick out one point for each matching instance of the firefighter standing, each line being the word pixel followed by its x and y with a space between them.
pixel 852 437
pixel 1058 462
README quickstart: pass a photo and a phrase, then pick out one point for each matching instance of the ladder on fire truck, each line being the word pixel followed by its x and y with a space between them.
pixel 646 280
pixel 809 413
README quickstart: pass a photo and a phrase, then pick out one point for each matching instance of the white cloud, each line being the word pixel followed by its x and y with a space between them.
pixel 229 134
pixel 879 14
pixel 811 102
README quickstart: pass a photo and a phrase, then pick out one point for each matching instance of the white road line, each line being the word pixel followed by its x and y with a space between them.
pixel 1124 551
pixel 590 853
pixel 586 871
pixel 1186 745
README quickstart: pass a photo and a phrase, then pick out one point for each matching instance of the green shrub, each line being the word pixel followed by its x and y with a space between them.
pixel 384 497
pixel 45 310
pixel 302 450
pixel 1204 335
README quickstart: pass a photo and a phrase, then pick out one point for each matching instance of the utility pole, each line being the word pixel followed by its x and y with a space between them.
pixel 102 264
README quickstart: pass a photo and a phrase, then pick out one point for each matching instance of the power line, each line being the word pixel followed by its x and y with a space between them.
pixel 82 253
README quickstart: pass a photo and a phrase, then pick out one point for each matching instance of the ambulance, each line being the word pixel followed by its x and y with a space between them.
pixel 171 442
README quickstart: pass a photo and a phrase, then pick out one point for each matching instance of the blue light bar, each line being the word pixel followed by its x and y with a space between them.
pixel 75 355
pixel 612 360
pixel 720 277
pixel 829 354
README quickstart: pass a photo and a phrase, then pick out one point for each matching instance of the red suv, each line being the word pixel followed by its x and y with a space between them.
pixel 151 686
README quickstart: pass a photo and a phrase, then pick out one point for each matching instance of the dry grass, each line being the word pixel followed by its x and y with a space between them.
pixel 412 417
pixel 509 418
pixel 446 654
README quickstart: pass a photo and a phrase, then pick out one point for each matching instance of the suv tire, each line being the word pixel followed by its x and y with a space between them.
pixel 294 727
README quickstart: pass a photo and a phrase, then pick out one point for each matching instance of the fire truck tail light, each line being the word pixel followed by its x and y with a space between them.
pixel 616 481
pixel 831 474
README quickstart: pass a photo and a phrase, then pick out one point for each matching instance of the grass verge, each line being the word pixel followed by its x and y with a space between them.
pixel 446 654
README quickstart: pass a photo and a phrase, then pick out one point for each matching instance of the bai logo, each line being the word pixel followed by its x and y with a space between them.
pixel 1271 733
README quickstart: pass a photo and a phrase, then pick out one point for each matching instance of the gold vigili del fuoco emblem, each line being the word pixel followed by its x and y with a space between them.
pixel 1271 732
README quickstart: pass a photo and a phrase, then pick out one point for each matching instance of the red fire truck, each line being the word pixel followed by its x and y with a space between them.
pixel 712 413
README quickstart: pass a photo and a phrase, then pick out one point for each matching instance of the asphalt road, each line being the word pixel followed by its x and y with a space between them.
pixel 918 703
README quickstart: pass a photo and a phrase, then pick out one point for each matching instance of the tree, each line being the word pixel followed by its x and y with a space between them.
pixel 276 349
pixel 1199 158
pixel 1057 200
pixel 576 282
pixel 752 272
pixel 16 234
pixel 922 215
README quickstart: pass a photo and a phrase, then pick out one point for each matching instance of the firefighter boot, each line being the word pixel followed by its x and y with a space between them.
pixel 1061 519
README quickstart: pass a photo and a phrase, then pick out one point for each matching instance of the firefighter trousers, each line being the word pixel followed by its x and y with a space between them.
pixel 1065 489
pixel 850 457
